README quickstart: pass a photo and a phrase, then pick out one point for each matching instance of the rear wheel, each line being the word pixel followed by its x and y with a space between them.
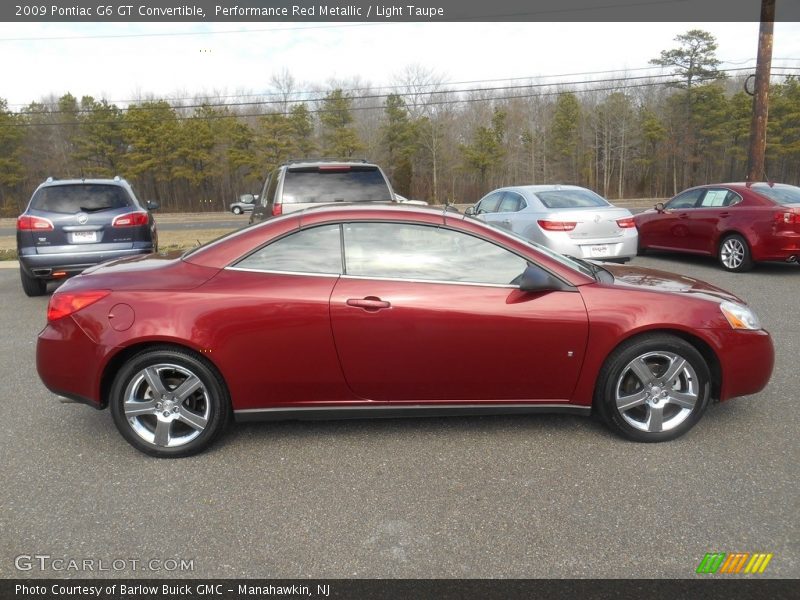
pixel 169 403
pixel 237 210
pixel 653 388
pixel 734 254
pixel 32 286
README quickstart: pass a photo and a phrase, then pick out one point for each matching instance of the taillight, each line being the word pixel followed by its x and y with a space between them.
pixel 31 223
pixel 787 218
pixel 557 225
pixel 626 223
pixel 133 219
pixel 63 304
pixel 277 209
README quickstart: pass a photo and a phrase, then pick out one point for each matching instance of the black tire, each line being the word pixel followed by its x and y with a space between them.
pixel 159 422
pixel 236 210
pixel 32 286
pixel 734 254
pixel 659 409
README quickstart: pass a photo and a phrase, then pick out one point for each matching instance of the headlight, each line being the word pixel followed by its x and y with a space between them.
pixel 740 317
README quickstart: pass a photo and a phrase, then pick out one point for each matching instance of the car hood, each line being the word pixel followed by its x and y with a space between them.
pixel 663 281
pixel 162 271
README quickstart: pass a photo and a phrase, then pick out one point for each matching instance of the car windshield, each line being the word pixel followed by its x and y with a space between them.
pixel 782 194
pixel 575 264
pixel 70 199
pixel 571 199
pixel 335 184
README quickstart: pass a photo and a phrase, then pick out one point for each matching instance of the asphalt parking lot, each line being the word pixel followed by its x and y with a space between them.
pixel 526 497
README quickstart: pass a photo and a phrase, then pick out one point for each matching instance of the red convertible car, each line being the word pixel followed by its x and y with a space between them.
pixel 739 223
pixel 351 311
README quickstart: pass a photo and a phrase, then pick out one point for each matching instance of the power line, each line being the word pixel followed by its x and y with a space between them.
pixel 376 107
pixel 393 87
pixel 321 98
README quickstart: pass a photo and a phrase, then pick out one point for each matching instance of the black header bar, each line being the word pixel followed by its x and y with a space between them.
pixel 403 10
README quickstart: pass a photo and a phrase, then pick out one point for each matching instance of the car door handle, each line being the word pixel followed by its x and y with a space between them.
pixel 724 214
pixel 371 303
pixel 683 216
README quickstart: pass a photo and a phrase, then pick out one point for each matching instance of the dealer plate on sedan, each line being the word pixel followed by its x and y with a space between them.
pixel 599 250
pixel 84 237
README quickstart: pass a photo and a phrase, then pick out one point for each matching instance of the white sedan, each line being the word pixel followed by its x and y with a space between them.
pixel 566 218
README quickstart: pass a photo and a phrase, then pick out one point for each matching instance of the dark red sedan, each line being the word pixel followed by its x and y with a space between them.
pixel 354 311
pixel 738 223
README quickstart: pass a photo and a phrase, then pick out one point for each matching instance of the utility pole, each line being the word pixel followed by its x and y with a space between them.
pixel 758 127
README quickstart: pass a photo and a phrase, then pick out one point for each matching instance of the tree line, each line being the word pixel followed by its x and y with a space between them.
pixel 623 137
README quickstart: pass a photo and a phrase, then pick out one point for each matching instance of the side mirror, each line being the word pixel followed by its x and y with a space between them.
pixel 536 279
pixel 152 205
pixel 659 207
pixel 470 211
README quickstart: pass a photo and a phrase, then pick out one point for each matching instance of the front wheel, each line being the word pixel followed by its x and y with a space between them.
pixel 169 403
pixel 653 388
pixel 734 254
pixel 237 211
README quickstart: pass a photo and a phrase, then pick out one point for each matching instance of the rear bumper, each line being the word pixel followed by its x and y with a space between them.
pixel 67 359
pixel 622 247
pixel 42 266
pixel 781 246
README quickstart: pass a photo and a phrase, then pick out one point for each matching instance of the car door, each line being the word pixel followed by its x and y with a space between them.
pixel 429 314
pixel 486 208
pixel 705 220
pixel 506 216
pixel 280 317
pixel 670 228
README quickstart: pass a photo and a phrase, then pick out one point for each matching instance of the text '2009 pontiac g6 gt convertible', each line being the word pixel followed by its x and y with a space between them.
pixel 355 311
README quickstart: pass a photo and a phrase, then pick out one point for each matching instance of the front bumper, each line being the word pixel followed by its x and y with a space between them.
pixel 746 361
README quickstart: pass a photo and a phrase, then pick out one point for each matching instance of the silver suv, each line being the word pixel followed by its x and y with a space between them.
pixel 72 224
pixel 304 183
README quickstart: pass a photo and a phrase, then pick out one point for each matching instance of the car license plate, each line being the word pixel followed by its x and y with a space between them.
pixel 82 237
pixel 599 250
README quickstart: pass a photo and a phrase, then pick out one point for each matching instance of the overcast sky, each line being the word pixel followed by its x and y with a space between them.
pixel 124 61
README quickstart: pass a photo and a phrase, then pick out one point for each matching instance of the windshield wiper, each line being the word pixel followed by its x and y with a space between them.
pixel 95 209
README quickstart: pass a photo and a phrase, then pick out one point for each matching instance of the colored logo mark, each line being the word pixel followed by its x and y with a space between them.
pixel 734 562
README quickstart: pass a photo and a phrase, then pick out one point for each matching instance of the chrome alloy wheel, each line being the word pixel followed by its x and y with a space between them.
pixel 732 253
pixel 656 391
pixel 166 405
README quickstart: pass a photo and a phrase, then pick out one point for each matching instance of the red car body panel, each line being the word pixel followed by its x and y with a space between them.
pixel 289 340
pixel 700 230
pixel 455 343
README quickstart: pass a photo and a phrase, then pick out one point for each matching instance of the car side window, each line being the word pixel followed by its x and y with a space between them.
pixel 511 202
pixel 268 198
pixel 489 204
pixel 687 199
pixel 315 250
pixel 428 253
pixel 719 197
